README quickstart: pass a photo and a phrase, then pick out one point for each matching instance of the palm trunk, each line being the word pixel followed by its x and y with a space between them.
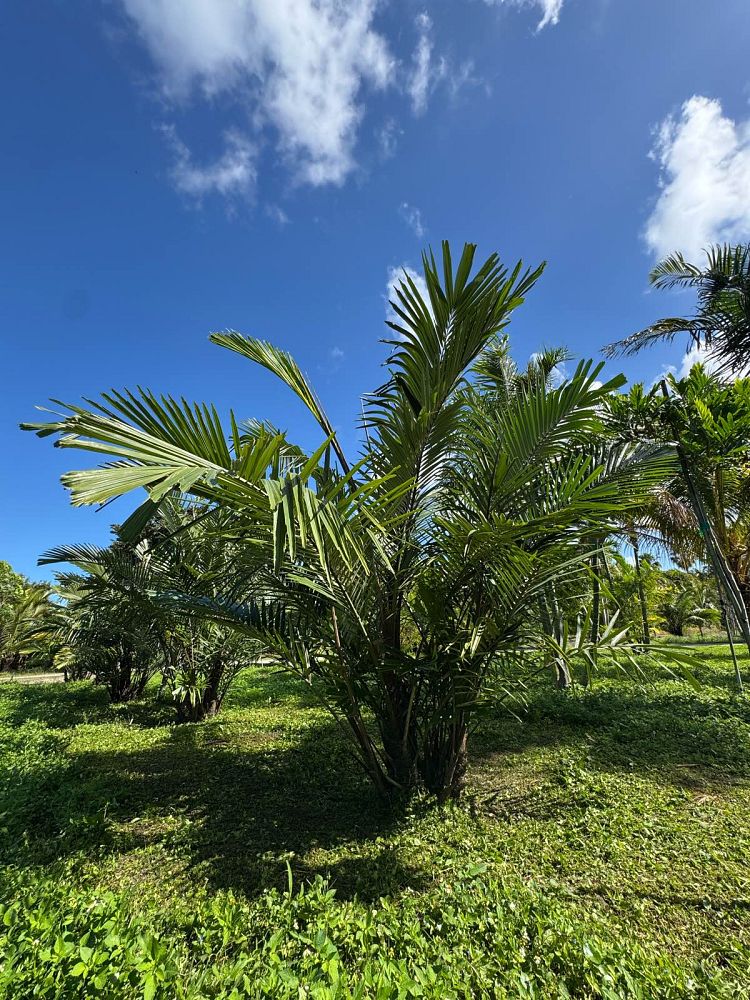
pixel 641 589
pixel 596 615
pixel 550 625
pixel 123 684
pixel 443 768
pixel 208 702
pixel 399 742
pixel 431 757
pixel 203 707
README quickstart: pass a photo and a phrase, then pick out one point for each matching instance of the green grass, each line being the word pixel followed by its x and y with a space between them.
pixel 601 850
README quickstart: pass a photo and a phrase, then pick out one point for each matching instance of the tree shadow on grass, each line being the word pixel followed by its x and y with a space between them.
pixel 673 736
pixel 233 809
pixel 63 706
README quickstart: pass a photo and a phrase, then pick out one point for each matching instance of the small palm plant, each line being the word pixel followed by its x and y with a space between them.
pixel 405 586
pixel 25 627
pixel 137 607
pixel 684 608
pixel 106 628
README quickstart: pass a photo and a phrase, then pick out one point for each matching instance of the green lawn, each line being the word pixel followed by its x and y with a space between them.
pixel 602 850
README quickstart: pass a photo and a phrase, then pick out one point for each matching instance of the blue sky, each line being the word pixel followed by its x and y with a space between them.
pixel 172 167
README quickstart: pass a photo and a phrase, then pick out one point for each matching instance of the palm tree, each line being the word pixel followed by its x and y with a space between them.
pixel 136 607
pixel 721 322
pixel 106 627
pixel 635 544
pixel 632 584
pixel 701 513
pixel 24 627
pixel 685 607
pixel 404 586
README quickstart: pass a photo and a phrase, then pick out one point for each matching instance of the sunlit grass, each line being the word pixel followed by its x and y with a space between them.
pixel 612 823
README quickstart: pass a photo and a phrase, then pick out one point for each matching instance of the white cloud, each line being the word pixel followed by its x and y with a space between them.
pixel 695 356
pixel 550 12
pixel 388 136
pixel 336 354
pixel 424 73
pixel 295 73
pixel 413 219
pixel 550 9
pixel 703 356
pixel 299 66
pixel 233 174
pixel 704 158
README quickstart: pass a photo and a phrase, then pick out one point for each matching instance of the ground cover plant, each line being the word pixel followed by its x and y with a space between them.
pixel 600 849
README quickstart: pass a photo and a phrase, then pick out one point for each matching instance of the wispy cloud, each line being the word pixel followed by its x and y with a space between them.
pixel 296 67
pixel 277 213
pixel 413 219
pixel 388 136
pixel 704 160
pixel 424 71
pixel 549 9
pixel 233 174
pixel 429 70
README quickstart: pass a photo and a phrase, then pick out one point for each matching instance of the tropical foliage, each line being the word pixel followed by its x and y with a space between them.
pixel 404 585
pixel 686 606
pixel 124 623
pixel 505 538
pixel 701 513
pixel 721 322
pixel 26 614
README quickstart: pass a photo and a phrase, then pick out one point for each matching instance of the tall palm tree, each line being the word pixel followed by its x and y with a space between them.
pixel 402 585
pixel 721 322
